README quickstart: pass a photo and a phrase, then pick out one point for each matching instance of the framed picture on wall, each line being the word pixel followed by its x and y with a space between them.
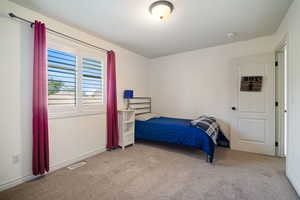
pixel 251 83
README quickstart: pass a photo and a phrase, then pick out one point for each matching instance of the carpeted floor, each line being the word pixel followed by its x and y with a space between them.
pixel 158 171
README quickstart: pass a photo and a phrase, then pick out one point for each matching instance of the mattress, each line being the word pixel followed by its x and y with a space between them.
pixel 174 131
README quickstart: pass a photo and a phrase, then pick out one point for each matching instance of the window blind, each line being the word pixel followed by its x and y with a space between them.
pixel 92 82
pixel 61 78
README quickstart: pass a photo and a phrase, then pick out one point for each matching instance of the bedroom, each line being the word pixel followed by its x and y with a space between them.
pixel 186 63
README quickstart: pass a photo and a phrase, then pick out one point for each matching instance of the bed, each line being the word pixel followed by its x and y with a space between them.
pixel 172 130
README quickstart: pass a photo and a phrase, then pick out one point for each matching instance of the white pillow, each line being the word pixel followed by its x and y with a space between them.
pixel 145 117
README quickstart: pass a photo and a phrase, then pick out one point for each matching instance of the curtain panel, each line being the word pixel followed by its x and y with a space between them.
pixel 40 153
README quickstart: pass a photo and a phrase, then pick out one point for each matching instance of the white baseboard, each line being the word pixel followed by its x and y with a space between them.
pixel 16 182
pixel 53 168
pixel 293 183
pixel 77 159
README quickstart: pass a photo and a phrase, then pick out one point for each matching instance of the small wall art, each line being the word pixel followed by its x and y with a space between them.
pixel 251 83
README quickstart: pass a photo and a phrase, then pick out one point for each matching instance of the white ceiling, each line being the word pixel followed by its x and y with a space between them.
pixel 194 24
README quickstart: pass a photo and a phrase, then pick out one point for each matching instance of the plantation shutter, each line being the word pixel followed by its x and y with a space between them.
pixel 92 82
pixel 61 78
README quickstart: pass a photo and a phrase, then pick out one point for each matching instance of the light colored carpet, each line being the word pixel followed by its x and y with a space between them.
pixel 158 171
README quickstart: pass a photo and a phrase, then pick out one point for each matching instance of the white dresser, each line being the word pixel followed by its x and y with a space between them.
pixel 126 119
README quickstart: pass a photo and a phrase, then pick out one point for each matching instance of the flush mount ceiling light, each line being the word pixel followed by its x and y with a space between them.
pixel 161 9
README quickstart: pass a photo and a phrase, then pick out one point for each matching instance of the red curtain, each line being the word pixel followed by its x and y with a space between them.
pixel 40 154
pixel 111 112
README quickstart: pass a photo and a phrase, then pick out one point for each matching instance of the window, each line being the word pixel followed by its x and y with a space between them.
pixel 75 80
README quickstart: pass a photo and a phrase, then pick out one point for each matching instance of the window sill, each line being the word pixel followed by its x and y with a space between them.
pixel 73 114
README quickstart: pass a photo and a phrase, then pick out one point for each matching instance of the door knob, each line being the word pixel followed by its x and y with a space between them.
pixel 233 108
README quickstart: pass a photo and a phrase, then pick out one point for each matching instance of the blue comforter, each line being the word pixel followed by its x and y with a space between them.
pixel 175 131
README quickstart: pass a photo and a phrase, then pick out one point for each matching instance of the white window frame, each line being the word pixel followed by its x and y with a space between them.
pixel 80 51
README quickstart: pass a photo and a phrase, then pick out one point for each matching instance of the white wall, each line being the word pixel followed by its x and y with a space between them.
pixel 200 82
pixel 70 138
pixel 290 30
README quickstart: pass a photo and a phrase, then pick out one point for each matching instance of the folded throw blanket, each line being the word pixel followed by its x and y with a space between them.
pixel 209 125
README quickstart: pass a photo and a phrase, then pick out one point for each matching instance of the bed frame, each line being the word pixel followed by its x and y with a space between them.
pixel 141 105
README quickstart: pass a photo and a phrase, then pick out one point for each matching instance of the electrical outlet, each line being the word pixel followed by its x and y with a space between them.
pixel 16 158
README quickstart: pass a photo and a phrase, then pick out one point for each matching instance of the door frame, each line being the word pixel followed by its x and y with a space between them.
pixel 281 135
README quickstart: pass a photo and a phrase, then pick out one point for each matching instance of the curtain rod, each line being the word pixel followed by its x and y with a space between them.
pixel 12 15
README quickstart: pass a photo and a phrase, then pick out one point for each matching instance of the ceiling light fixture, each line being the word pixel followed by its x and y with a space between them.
pixel 161 9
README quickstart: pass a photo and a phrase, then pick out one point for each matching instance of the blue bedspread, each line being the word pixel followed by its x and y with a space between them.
pixel 175 131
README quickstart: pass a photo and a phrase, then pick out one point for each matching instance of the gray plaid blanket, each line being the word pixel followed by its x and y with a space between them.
pixel 209 125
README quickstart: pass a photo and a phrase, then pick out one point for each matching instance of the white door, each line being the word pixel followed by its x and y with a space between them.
pixel 253 121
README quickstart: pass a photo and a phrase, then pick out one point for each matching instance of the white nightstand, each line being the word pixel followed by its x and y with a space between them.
pixel 126 119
